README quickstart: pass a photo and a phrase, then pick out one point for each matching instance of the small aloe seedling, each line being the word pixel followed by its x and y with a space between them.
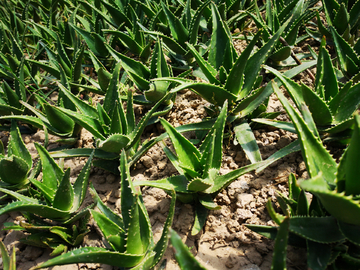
pixel 16 165
pixel 129 237
pixel 331 105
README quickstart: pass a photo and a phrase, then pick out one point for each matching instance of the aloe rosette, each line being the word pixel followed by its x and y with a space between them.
pixel 200 181
pixel 129 237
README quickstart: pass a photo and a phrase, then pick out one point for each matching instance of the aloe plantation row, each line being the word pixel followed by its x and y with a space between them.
pixel 55 55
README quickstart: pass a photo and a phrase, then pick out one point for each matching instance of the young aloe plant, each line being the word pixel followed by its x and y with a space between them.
pixel 331 223
pixel 330 104
pixel 129 237
pixel 58 199
pixel 59 238
pixel 16 165
pixel 199 180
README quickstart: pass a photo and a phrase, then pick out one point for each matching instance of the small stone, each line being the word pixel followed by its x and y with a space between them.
pixel 244 199
pixel 147 161
pixel 110 178
pixel 243 214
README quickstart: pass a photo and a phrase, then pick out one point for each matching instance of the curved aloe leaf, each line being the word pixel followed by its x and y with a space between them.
pixel 94 255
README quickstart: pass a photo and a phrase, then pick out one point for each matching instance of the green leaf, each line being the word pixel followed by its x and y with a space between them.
pixel 246 139
pixel 318 255
pixel 314 153
pixel 279 255
pixel 236 76
pixel 317 229
pixel 182 254
pixel 94 255
pixel 352 170
pixel 114 143
pixel 112 95
pixel 201 213
pixel 16 145
pixel 187 153
pixel 64 196
pixel 52 174
pixel 58 119
pixel 13 170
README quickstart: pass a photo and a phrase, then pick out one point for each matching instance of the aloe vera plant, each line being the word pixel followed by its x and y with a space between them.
pixel 58 198
pixel 329 226
pixel 199 180
pixel 128 237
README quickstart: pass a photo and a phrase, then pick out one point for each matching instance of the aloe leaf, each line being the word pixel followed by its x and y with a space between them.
pixel 326 76
pixel 352 170
pixel 216 135
pixel 201 213
pixel 183 255
pixel 115 218
pixel 35 208
pixel 128 195
pixel 314 153
pixel 161 246
pixel 5 256
pixel 274 123
pixel 62 57
pixel 114 143
pixel 82 106
pixel 318 255
pixel 52 174
pixel 318 229
pixel 12 97
pixel 110 230
pixel 281 241
pixel 83 152
pixel 347 104
pixel 94 41
pixel 246 139
pixel 94 255
pixel 16 145
pixel 178 31
pixel 64 196
pixel 221 48
pixel 187 153
pixel 76 68
pixel 344 52
pixel 139 73
pixel 195 23
pixel 112 92
pixel 13 170
pixel 319 109
pixel 256 60
pixel 134 244
pixel 178 183
pixel 81 184
pixel 93 125
pixel 58 119
pixel 236 76
pixel 350 231
pixel 126 40
pixel 343 208
pixel 212 93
